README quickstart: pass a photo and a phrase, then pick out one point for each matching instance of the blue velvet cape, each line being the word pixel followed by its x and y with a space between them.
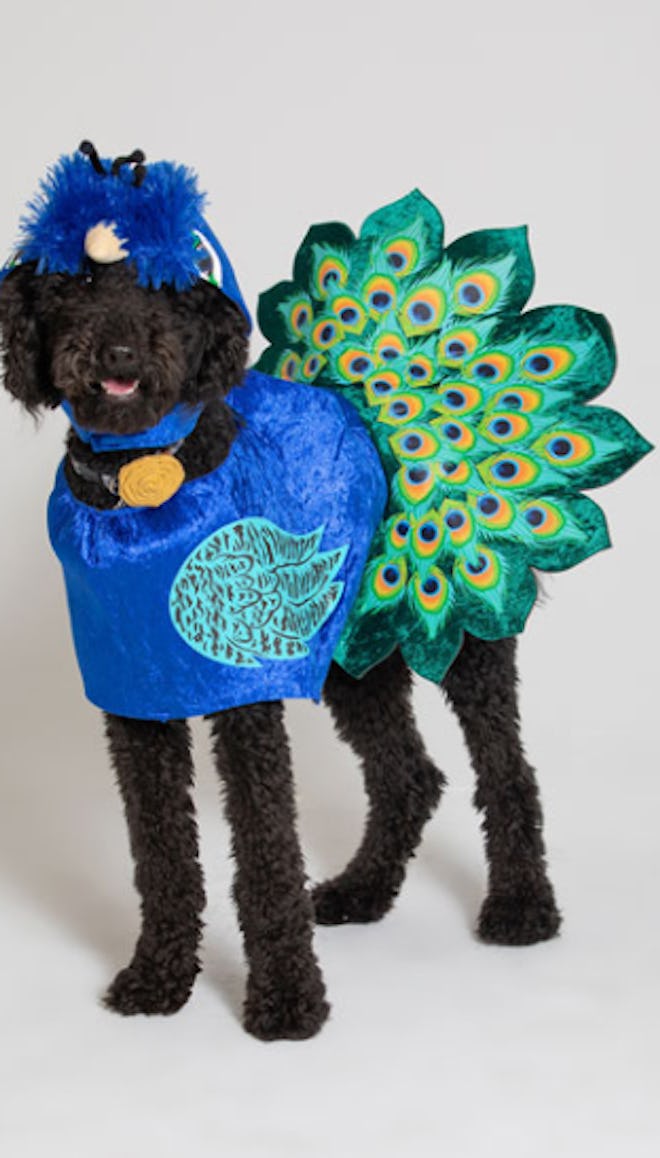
pixel 236 590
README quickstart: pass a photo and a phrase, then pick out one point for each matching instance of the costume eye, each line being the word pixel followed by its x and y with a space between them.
pixel 420 370
pixel 415 482
pixel 504 427
pixel 427 538
pixel 381 384
pixel 566 448
pixel 456 346
pixel 311 366
pixel 390 579
pixel 402 408
pixel 351 313
pixel 433 591
pixel 422 310
pixel 388 347
pixel 379 294
pixel 460 398
pixel 458 522
pixel 509 470
pixel 476 292
pixel 415 443
pixel 494 511
pixel 481 572
pixel 288 366
pixel 522 398
pixel 543 518
pixel 331 272
pixel 544 363
pixel 354 364
pixel 491 368
pixel 399 532
pixel 325 333
pixel 458 434
pixel 402 255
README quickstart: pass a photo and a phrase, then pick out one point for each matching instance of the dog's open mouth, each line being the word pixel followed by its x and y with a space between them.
pixel 120 387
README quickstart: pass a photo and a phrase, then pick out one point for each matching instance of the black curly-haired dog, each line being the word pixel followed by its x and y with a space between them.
pixel 62 335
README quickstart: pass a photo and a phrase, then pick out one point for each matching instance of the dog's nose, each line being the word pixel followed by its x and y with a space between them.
pixel 120 361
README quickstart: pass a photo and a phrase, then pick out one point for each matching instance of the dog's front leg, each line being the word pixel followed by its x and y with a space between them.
pixel 481 687
pixel 154 770
pixel 285 991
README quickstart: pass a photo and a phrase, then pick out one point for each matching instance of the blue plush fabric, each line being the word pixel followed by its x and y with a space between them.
pixel 177 424
pixel 160 223
pixel 142 583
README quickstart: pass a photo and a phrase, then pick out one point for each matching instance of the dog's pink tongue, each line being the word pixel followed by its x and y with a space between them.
pixel 118 388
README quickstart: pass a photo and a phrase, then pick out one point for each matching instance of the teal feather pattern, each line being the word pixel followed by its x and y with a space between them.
pixel 479 412
pixel 252 591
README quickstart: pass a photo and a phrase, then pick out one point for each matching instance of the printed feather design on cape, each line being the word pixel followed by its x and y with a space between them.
pixel 477 409
pixel 252 591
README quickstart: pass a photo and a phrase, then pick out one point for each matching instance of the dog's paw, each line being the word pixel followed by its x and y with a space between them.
pixel 143 988
pixel 348 900
pixel 521 918
pixel 293 1010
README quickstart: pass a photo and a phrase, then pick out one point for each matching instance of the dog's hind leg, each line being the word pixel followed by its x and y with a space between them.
pixel 154 770
pixel 374 715
pixel 285 991
pixel 481 687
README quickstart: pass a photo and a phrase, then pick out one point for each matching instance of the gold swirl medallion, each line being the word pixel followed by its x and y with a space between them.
pixel 150 481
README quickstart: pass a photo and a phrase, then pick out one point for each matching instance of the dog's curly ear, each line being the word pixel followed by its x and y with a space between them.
pixel 26 370
pixel 223 350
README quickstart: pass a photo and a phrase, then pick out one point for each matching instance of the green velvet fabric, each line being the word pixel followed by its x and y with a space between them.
pixel 479 412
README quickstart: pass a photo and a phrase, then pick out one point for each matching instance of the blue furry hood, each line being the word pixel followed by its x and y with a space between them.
pixel 155 210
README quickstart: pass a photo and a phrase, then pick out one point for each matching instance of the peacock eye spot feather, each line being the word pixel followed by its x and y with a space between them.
pixel 391 575
pixel 471 294
pixel 449 467
pixel 330 277
pixel 396 260
pixel 430 586
pixel 512 401
pixel 418 474
pixel 539 363
pixel 455 398
pixel 501 426
pixel 388 353
pixel 454 520
pixel 381 386
pixel 348 315
pixel 402 528
pixel 421 312
pixel 477 567
pixel 327 333
pixel 359 365
pixel 417 371
pixel 560 447
pixel 456 349
pixel 399 409
pixel 488 505
pixel 428 532
pixel 451 431
pixel 505 469
pixel 381 300
pixel 535 516
pixel 412 442
pixel 485 370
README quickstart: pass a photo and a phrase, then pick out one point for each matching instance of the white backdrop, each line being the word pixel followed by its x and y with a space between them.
pixel 293 113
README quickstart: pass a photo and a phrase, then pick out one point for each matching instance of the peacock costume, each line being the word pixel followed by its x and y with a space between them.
pixel 478 411
pixel 190 597
pixel 239 586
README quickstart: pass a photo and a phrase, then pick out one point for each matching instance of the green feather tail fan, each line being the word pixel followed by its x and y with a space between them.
pixel 479 412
